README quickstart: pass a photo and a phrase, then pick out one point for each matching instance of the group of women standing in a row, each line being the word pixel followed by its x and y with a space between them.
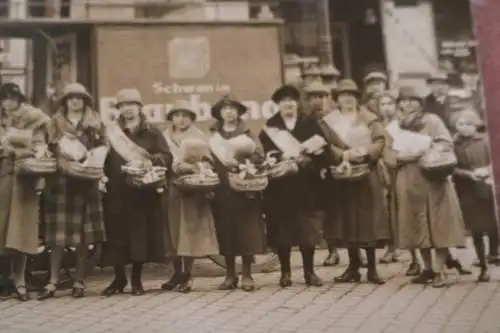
pixel 146 224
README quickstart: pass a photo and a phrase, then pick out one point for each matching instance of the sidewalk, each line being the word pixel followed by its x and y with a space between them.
pixel 396 307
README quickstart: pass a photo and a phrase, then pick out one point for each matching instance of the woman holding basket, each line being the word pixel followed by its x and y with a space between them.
pixel 191 227
pixel 238 156
pixel 23 130
pixel 357 139
pixel 72 200
pixel 428 211
pixel 293 203
pixel 135 169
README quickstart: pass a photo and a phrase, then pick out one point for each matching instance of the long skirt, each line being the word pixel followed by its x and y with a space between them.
pixel 19 211
pixel 135 233
pixel 73 212
pixel 428 213
pixel 239 222
pixel 191 227
pixel 359 213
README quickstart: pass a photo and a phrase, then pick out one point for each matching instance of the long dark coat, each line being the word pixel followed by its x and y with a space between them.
pixel 360 213
pixel 72 207
pixel 294 205
pixel 238 216
pixel 134 217
pixel 476 199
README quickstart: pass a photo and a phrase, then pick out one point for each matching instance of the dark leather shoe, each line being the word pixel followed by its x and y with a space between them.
pixel 455 264
pixel 137 289
pixel 349 276
pixel 116 287
pixel 173 282
pixel 228 284
pixel 374 278
pixel 424 277
pixel 312 280
pixel 484 275
pixel 285 280
pixel 414 269
pixel 78 290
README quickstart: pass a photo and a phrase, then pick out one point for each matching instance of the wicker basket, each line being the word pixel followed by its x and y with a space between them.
pixel 78 170
pixel 197 182
pixel 34 166
pixel 138 180
pixel 282 169
pixel 357 171
pixel 250 184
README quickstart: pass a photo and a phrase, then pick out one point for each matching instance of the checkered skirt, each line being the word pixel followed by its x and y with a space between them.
pixel 72 212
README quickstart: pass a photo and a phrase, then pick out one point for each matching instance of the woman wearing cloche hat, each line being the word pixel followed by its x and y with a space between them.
pixel 191 228
pixel 359 215
pixel 133 214
pixel 292 203
pixel 238 215
pixel 23 129
pixel 73 206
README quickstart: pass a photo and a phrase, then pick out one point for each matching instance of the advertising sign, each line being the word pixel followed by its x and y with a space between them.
pixel 197 63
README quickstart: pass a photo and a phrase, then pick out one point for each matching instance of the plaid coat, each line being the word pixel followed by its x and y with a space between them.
pixel 72 208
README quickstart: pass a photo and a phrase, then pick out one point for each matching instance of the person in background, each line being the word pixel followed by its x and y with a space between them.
pixel 387 109
pixel 133 215
pixel 23 129
pixel 294 204
pixel 191 225
pixel 73 213
pixel 476 196
pixel 238 215
pixel 428 212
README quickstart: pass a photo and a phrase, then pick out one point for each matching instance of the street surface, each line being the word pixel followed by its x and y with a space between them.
pixel 396 307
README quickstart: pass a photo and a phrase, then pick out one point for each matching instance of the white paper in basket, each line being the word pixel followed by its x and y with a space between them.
pixel 407 142
pixel 289 146
pixel 221 149
pixel 72 148
pixel 352 133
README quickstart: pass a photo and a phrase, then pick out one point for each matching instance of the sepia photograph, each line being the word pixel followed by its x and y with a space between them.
pixel 249 166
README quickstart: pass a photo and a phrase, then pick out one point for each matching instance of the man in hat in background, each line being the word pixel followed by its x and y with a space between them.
pixel 438 101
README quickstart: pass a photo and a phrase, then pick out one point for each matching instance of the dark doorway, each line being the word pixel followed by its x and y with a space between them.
pixel 365 38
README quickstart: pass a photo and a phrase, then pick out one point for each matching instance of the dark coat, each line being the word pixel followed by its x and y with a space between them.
pixel 443 110
pixel 360 213
pixel 238 216
pixel 134 217
pixel 476 198
pixel 294 205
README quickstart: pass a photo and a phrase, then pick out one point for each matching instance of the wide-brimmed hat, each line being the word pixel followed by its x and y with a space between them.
pixel 438 76
pixel 284 91
pixel 181 106
pixel 228 100
pixel 410 93
pixel 128 96
pixel 348 86
pixel 12 89
pixel 76 89
pixel 316 88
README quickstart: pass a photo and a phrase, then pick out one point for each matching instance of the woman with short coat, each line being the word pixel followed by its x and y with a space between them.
pixel 238 215
pixel 73 214
pixel 293 203
pixel 19 202
pixel 133 216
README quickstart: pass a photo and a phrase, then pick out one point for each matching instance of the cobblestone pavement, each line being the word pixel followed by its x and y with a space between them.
pixel 396 307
